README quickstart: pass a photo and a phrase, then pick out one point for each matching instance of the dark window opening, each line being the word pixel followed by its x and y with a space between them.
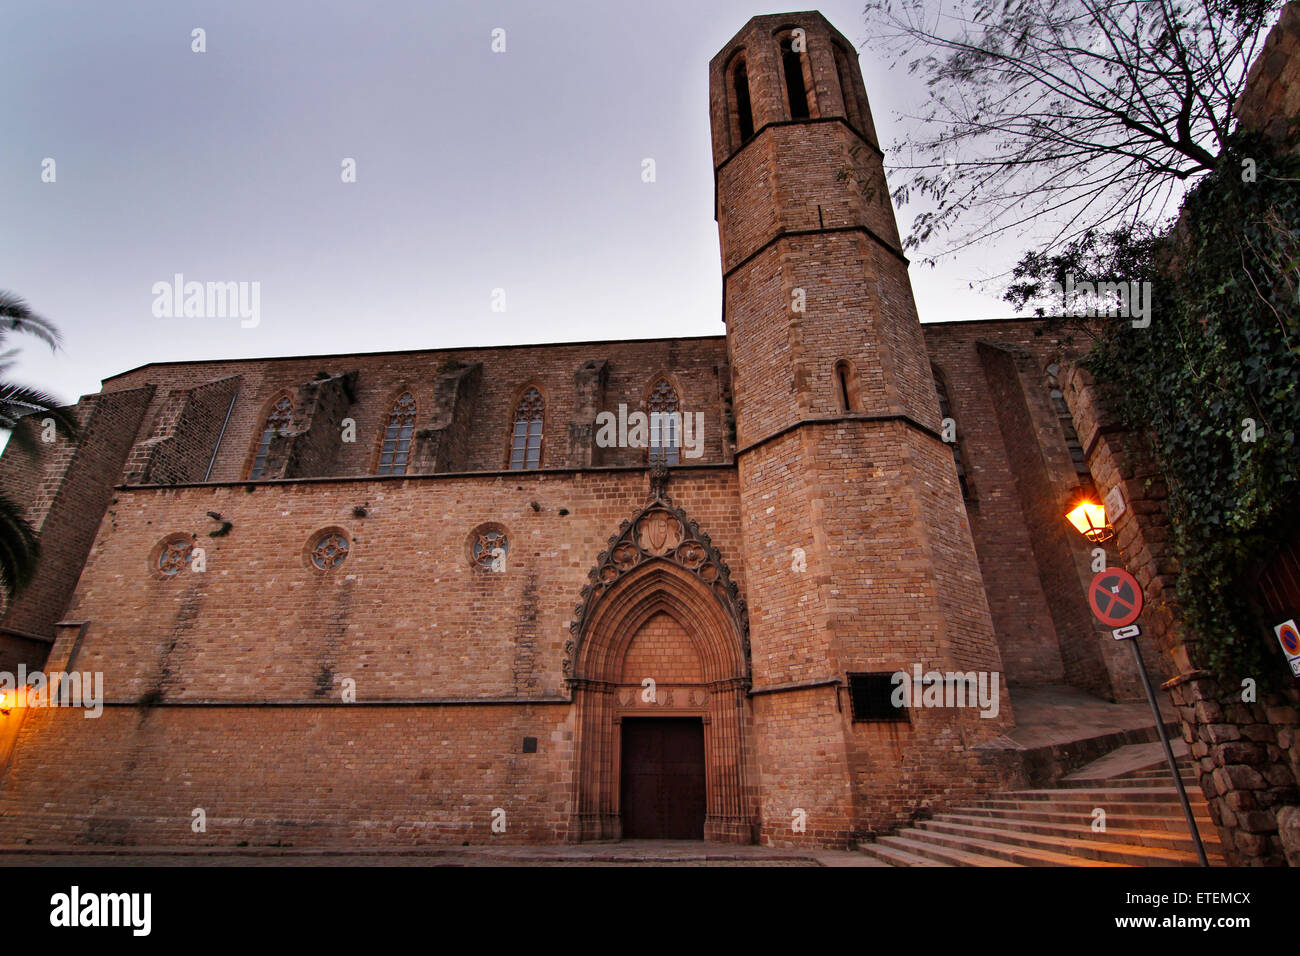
pixel 743 110
pixel 847 379
pixel 872 697
pixel 847 90
pixel 794 86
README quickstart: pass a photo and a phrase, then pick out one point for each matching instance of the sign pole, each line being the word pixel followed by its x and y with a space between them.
pixel 1169 752
pixel 1116 600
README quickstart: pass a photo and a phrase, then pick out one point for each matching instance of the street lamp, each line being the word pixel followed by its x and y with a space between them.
pixel 1090 519
pixel 12 699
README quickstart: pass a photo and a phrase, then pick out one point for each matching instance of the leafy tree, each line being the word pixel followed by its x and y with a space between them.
pixel 1212 381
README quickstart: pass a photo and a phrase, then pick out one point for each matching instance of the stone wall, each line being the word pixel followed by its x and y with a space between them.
pixel 185 434
pixel 1270 100
pixel 472 416
pixel 225 686
pixel 68 484
pixel 1021 483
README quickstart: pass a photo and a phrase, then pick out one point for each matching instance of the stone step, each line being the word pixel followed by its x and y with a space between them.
pixel 1158 773
pixel 896 857
pixel 1113 804
pixel 1152 795
pixel 1145 823
pixel 1132 758
pixel 917 843
pixel 1126 782
pixel 1187 775
pixel 1134 836
pixel 1118 819
pixel 1125 854
pixel 975 851
pixel 1186 766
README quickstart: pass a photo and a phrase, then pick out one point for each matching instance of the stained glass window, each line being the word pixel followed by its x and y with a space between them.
pixel 175 556
pixel 281 415
pixel 526 445
pixel 490 549
pixel 665 424
pixel 395 452
pixel 330 551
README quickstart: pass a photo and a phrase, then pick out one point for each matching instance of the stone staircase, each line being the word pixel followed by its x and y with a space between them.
pixel 1144 823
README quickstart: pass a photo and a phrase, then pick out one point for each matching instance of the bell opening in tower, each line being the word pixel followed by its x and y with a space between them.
pixel 794 87
pixel 744 113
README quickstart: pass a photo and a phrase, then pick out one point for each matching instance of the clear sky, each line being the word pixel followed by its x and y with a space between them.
pixel 476 171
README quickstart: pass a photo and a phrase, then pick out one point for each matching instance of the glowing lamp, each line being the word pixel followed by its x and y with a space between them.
pixel 12 698
pixel 1090 519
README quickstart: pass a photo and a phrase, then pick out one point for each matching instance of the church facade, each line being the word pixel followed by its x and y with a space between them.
pixel 582 591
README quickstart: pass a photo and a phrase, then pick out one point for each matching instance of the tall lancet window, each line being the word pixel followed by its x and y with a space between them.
pixel 846 378
pixel 844 70
pixel 526 445
pixel 665 424
pixel 395 451
pixel 792 61
pixel 744 111
pixel 280 416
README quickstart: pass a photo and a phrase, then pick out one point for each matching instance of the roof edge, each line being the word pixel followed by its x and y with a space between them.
pixel 457 348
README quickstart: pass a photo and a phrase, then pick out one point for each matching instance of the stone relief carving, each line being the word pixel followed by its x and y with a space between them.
pixel 661 531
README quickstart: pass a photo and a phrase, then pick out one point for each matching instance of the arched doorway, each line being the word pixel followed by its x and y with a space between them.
pixel 659 668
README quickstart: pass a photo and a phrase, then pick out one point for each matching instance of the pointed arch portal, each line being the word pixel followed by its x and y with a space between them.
pixel 662 592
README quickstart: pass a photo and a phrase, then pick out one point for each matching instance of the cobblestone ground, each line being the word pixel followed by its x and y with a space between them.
pixel 630 853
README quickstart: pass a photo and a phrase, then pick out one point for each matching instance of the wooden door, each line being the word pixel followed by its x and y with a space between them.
pixel 663 790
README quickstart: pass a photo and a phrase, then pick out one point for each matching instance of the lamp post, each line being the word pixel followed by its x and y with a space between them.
pixel 1116 599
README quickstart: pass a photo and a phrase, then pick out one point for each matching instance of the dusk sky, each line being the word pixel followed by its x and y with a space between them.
pixel 476 171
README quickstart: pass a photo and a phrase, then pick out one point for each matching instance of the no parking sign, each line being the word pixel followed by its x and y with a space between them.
pixel 1115 598
pixel 1288 635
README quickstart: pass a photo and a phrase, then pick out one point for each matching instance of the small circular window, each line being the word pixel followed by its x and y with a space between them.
pixel 329 551
pixel 173 555
pixel 489 545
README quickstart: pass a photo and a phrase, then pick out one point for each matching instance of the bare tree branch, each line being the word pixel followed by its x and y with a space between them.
pixel 1077 111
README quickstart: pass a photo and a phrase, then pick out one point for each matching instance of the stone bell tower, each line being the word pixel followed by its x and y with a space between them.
pixel 858 554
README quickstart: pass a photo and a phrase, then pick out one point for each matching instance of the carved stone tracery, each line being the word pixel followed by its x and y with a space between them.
pixel 661 531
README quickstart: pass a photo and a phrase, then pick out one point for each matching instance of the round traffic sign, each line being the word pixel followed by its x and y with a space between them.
pixel 1289 638
pixel 1115 597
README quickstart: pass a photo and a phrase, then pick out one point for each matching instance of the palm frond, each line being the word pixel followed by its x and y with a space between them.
pixel 17 316
pixel 19 548
pixel 21 405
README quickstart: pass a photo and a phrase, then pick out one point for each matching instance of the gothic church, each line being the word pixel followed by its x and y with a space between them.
pixel 410 597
